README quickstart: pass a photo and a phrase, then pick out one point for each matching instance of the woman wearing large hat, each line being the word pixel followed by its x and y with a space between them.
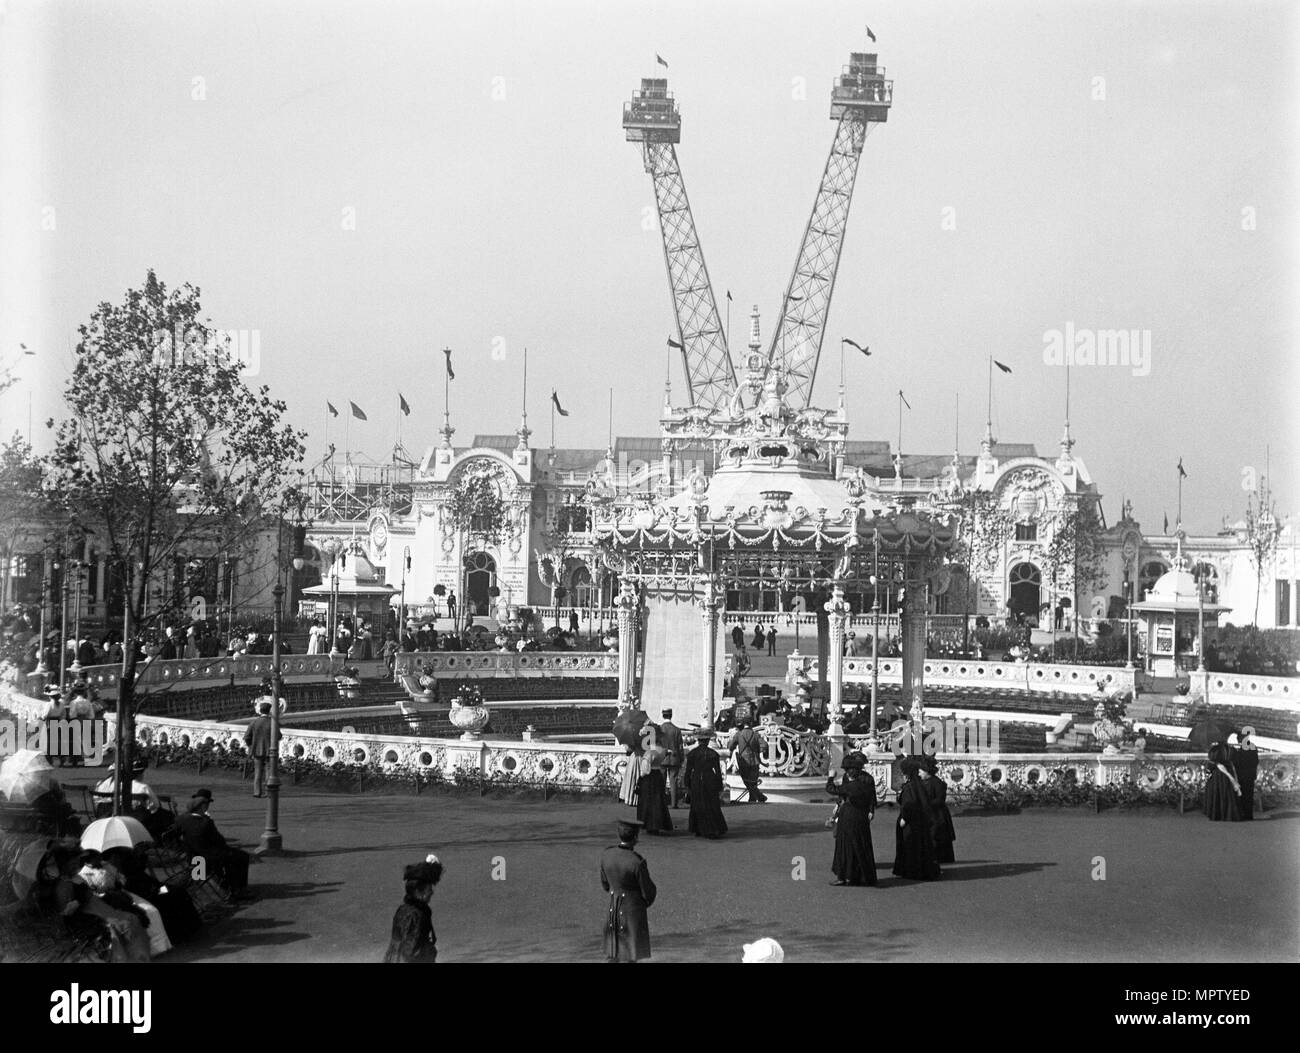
pixel 914 848
pixel 855 858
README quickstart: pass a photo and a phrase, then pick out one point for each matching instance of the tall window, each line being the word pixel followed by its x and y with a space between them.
pixel 1026 531
pixel 1283 603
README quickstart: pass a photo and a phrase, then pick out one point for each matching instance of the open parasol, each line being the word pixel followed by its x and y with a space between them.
pixel 25 776
pixel 627 728
pixel 27 868
pixel 117 831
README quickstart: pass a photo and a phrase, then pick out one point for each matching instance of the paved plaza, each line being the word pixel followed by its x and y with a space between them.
pixel 1177 888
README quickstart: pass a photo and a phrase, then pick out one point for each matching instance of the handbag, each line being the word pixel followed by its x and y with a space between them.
pixel 834 819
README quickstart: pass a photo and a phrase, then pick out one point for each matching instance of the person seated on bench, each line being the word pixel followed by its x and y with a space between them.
pixel 145 805
pixel 200 837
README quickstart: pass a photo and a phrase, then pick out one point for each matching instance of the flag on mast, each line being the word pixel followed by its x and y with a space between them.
pixel 854 343
pixel 660 59
pixel 674 343
pixel 905 402
pixel 1182 472
pixel 405 406
pixel 330 406
pixel 1002 366
pixel 558 408
pixel 356 411
pixel 451 375
pixel 871 35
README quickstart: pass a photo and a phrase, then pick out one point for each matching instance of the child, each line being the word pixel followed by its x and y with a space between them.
pixel 413 939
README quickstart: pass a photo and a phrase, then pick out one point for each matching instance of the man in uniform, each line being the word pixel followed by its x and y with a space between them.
pixel 625 876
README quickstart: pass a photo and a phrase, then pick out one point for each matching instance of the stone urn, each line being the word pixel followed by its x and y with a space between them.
pixel 470 719
pixel 1109 733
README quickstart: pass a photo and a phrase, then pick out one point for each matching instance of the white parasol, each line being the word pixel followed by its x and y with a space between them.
pixel 117 831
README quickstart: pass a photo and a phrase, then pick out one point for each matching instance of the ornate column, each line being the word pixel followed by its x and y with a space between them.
pixel 626 605
pixel 710 603
pixel 837 611
pixel 912 625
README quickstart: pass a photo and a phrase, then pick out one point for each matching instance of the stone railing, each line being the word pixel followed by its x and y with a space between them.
pixel 208 671
pixel 1236 689
pixel 470 665
pixel 794 754
pixel 1001 676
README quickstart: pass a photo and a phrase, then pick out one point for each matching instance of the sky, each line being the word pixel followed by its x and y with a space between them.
pixel 363 184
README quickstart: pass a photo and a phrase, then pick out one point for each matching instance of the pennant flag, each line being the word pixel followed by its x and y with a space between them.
pixel 1002 366
pixel 558 408
pixel 871 35
pixel 674 343
pixel 330 407
pixel 854 343
pixel 451 375
pixel 26 351
pixel 406 409
pixel 793 297
pixel 1166 522
pixel 660 59
pixel 356 411
pixel 1182 473
pixel 728 295
pixel 905 402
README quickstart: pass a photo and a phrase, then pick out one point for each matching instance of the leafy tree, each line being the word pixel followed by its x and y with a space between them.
pixel 1075 544
pixel 23 503
pixel 165 451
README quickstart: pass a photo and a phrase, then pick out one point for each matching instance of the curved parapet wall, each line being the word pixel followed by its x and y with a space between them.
pixel 469 665
pixel 960 672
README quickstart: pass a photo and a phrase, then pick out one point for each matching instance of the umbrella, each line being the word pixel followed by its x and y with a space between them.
pixel 25 776
pixel 1209 731
pixel 117 831
pixel 627 728
pixel 27 868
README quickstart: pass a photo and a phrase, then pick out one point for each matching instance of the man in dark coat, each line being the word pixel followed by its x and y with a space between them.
pixel 258 740
pixel 200 837
pixel 746 745
pixel 738 638
pixel 625 876
pixel 670 738
pixel 704 784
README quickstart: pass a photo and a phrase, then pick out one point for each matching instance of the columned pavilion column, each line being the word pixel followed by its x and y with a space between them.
pixel 710 603
pixel 912 626
pixel 838 613
pixel 626 604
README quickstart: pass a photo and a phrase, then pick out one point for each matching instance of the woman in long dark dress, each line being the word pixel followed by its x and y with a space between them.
pixel 652 792
pixel 855 859
pixel 1222 790
pixel 914 851
pixel 703 775
pixel 1245 762
pixel 413 940
pixel 944 832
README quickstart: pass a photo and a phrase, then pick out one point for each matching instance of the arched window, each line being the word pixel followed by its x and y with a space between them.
pixel 1151 572
pixel 1025 589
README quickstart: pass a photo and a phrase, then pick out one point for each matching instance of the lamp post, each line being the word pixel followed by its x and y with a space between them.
pixel 272 841
pixel 62 566
pixel 77 566
pixel 41 668
pixel 401 617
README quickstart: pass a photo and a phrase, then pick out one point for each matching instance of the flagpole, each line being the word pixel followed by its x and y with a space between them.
pixel 990 420
pixel 611 418
pixel 1180 495
pixel 525 405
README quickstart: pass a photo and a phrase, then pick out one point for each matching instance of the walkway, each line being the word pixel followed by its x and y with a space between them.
pixel 1177 888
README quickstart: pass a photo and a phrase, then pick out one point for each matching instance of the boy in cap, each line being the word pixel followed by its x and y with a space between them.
pixel 625 876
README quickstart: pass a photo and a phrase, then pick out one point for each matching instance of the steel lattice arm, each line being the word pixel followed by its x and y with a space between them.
pixel 704 344
pixel 652 120
pixel 861 98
